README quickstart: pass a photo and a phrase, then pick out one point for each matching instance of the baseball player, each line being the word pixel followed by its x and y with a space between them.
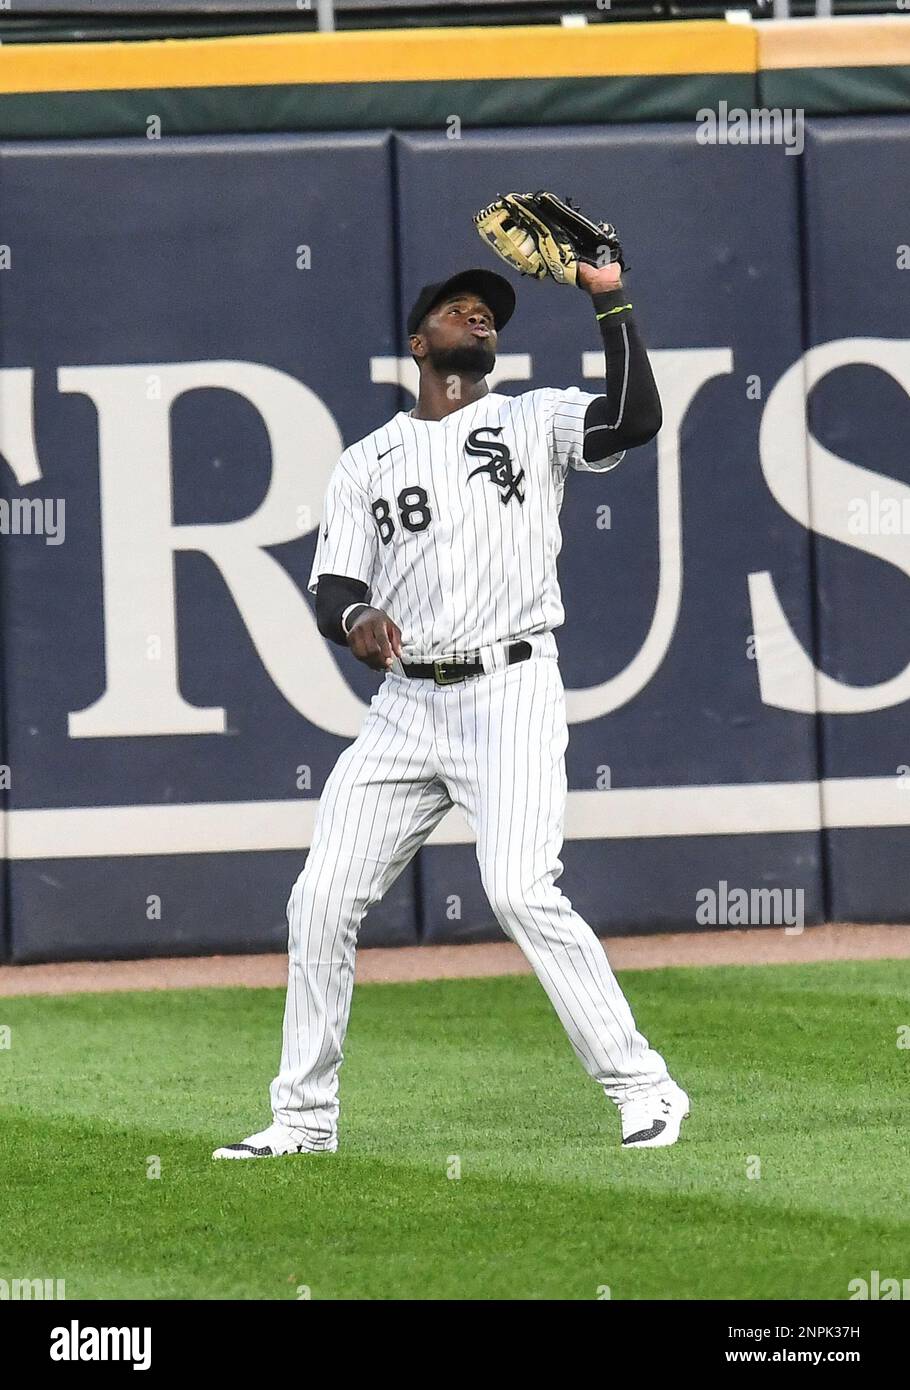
pixel 436 565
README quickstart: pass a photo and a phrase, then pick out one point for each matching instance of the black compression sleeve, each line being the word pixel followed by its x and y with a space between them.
pixel 629 414
pixel 335 593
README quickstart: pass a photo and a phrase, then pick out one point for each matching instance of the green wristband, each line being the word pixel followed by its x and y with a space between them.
pixel 618 310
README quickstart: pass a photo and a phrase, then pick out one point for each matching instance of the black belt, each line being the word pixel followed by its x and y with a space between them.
pixel 445 672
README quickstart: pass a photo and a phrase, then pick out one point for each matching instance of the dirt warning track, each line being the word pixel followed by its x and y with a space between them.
pixel 756 946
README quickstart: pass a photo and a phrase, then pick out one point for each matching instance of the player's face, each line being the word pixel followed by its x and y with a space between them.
pixel 465 318
pixel 459 335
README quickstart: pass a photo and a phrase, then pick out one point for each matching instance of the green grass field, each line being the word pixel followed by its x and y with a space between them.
pixel 795 1066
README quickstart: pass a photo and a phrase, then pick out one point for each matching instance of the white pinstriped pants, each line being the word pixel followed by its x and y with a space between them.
pixel 494 745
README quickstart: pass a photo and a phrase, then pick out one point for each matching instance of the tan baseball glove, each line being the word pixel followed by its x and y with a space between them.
pixel 538 234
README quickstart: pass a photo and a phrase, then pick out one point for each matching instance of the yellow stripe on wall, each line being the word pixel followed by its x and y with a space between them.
pixel 849 42
pixel 397 55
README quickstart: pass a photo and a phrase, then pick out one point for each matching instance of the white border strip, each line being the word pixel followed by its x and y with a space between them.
pixel 754 808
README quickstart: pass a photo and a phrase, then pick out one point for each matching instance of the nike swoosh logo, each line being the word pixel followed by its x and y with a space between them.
pixel 388 451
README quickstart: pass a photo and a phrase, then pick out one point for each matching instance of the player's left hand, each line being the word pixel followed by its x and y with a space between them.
pixel 596 279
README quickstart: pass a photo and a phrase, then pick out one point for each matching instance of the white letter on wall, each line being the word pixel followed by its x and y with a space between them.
pixel 139 540
pixel 818 494
pixel 680 375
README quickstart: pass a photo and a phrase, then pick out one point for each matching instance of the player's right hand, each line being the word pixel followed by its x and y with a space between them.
pixel 375 639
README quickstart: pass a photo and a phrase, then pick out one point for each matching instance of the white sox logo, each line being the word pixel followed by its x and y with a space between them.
pixel 499 466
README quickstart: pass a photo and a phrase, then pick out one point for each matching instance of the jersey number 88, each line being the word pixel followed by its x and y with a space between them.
pixel 413 512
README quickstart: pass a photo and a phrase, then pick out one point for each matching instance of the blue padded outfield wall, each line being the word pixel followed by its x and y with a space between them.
pixel 192 329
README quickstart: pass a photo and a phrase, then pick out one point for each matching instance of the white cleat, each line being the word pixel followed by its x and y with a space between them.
pixel 654 1121
pixel 274 1142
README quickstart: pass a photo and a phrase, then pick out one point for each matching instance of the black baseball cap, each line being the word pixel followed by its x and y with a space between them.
pixel 494 289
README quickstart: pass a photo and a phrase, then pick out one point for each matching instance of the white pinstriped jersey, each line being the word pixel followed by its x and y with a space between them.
pixel 454 524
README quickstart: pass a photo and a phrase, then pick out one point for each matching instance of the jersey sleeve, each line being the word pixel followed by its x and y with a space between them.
pixel 347 533
pixel 567 432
